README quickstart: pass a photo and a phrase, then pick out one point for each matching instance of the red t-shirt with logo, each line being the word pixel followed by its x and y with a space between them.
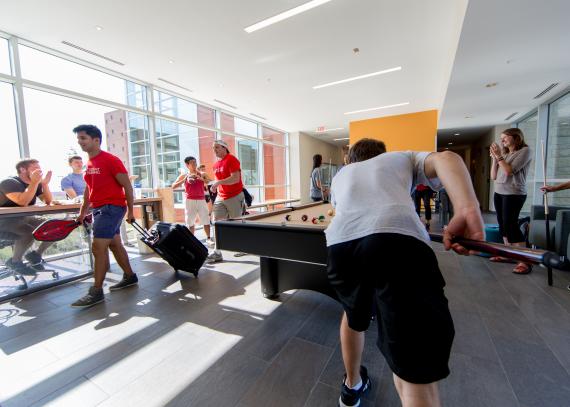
pixel 222 170
pixel 100 178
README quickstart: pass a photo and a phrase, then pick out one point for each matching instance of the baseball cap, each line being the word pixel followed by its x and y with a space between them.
pixel 222 143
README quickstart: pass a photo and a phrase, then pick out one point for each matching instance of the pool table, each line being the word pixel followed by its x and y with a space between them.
pixel 293 253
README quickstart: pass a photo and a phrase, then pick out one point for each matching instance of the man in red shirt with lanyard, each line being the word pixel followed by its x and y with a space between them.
pixel 230 200
pixel 110 194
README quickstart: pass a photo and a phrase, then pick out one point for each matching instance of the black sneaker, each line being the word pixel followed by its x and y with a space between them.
pixel 127 281
pixel 351 398
pixel 94 296
pixel 20 268
pixel 35 259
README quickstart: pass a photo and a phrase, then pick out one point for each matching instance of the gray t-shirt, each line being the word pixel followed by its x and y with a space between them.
pixel 315 190
pixel 514 184
pixel 373 196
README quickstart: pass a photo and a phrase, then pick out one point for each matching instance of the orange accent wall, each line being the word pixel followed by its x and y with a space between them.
pixel 411 131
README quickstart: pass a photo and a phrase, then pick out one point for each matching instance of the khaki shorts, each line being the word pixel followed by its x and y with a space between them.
pixel 228 208
pixel 197 207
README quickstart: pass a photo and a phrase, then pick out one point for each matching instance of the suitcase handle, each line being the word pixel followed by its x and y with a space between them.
pixel 142 231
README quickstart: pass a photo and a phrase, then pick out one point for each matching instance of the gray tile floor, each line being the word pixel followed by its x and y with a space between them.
pixel 215 341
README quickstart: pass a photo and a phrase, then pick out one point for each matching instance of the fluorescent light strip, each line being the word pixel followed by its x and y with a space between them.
pixel 224 103
pixel 174 84
pixel 286 14
pixel 344 138
pixel 378 108
pixel 355 78
pixel 258 116
pixel 69 44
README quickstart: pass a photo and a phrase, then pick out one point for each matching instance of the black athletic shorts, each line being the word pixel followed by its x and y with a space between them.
pixel 396 276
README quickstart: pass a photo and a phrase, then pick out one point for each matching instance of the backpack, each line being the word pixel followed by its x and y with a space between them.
pixel 247 197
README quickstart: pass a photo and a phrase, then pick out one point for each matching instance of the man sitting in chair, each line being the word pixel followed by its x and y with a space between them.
pixel 73 184
pixel 22 190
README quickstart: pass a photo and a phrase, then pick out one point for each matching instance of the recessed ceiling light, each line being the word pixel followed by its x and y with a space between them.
pixel 98 27
pixel 354 78
pixel 468 117
pixel 286 14
pixel 457 134
pixel 339 139
pixel 378 108
pixel 450 143
pixel 170 61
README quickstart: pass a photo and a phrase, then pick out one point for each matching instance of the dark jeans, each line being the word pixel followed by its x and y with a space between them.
pixel 508 208
pixel 425 196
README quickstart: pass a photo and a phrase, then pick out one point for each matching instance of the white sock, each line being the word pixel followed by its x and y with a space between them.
pixel 356 387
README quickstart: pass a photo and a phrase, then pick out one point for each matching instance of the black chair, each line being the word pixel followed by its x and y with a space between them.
pixel 8 239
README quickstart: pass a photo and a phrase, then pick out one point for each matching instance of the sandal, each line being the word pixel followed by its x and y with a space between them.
pixel 499 259
pixel 522 268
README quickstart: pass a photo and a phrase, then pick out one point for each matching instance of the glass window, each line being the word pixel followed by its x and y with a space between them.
pixel 207 157
pixel 529 127
pixel 273 136
pixel 170 105
pixel 238 125
pixel 4 57
pixel 174 106
pixel 275 171
pixel 248 155
pixel 46 68
pixel 10 151
pixel 51 119
pixel 174 142
pixel 247 152
pixel 558 156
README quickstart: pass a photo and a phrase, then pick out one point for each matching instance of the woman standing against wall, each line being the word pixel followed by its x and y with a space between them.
pixel 509 170
pixel 317 189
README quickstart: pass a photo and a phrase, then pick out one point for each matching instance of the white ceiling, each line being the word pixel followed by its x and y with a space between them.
pixel 270 72
pixel 523 45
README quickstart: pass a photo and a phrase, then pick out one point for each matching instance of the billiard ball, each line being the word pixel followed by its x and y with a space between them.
pixel 287 217
pixel 321 217
pixel 330 212
pixel 315 220
pixel 304 218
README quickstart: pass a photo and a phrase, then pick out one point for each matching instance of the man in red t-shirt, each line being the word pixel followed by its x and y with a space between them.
pixel 110 194
pixel 230 200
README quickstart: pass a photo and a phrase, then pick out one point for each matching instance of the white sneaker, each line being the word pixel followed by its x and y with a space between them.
pixel 210 243
pixel 214 257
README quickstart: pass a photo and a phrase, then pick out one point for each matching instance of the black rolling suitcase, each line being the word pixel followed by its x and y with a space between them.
pixel 175 244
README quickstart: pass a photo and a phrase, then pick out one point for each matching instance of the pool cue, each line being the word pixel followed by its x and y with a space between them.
pixel 543 257
pixel 330 180
pixel 546 211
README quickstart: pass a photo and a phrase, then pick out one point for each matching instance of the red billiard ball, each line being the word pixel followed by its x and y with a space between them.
pixel 315 220
pixel 304 218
